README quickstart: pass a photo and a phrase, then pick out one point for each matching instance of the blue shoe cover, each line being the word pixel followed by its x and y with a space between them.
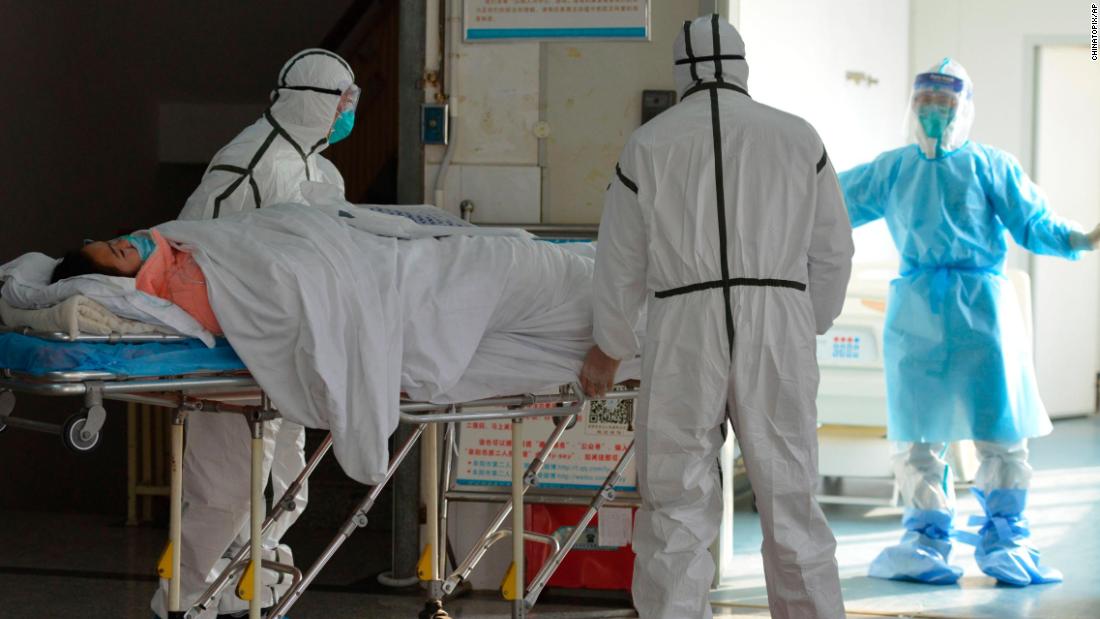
pixel 1001 548
pixel 922 554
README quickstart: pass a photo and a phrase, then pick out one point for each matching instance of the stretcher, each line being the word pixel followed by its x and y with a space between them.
pixel 218 385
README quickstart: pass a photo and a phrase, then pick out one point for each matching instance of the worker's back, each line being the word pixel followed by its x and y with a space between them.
pixel 770 162
pixel 728 195
pixel 725 221
pixel 267 161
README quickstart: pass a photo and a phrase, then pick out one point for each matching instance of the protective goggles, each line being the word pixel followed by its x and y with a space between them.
pixel 349 99
pixel 931 97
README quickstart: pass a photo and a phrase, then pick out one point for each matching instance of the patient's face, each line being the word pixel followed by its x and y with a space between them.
pixel 116 256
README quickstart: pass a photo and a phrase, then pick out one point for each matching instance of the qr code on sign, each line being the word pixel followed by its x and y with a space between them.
pixel 611 416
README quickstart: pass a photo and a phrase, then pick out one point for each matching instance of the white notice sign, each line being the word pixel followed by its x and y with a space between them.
pixel 614 526
pixel 494 20
pixel 582 458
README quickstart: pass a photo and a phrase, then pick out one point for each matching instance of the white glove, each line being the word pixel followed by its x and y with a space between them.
pixel 1085 241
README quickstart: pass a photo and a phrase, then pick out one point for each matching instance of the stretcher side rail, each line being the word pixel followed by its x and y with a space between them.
pixel 547 496
pixel 423 416
pixel 514 407
pixel 112 338
pixel 110 384
pixel 572 402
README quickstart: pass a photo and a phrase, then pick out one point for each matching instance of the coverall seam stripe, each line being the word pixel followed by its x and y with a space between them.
pixel 315 147
pixel 736 281
pixel 720 190
pixel 255 190
pixel 314 52
pixel 221 167
pixel 714 86
pixel 709 58
pixel 286 136
pixel 687 50
pixel 263 147
pixel 824 159
pixel 325 91
pixel 247 172
pixel 717 46
pixel 631 185
pixel 225 194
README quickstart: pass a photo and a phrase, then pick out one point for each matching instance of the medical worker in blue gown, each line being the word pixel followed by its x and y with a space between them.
pixel 958 362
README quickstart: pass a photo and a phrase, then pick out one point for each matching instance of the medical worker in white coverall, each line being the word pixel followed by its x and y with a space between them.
pixel 312 106
pixel 726 216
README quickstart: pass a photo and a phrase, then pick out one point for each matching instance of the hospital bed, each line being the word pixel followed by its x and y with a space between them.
pixel 851 399
pixel 185 378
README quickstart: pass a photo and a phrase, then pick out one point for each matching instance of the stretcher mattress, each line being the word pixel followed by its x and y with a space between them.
pixel 31 355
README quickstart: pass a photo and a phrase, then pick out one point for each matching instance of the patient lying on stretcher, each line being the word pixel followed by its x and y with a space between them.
pixel 335 320
pixel 160 269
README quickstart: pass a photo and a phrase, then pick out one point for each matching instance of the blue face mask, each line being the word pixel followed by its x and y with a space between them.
pixel 934 120
pixel 342 127
pixel 143 243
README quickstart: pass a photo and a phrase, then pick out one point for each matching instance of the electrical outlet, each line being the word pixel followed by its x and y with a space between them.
pixel 433 123
pixel 656 101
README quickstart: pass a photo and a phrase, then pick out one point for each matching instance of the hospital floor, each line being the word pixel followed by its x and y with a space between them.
pixel 66 565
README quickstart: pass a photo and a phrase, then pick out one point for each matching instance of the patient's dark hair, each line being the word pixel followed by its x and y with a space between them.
pixel 76 263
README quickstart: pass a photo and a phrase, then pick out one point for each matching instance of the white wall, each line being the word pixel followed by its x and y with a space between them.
pixel 593 103
pixel 801 54
pixel 589 93
pixel 495 105
pixel 1067 166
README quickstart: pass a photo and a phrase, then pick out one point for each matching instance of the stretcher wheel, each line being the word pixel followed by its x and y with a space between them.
pixel 7 405
pixel 433 609
pixel 558 419
pixel 70 435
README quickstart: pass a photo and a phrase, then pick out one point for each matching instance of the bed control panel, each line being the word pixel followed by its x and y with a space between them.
pixel 843 346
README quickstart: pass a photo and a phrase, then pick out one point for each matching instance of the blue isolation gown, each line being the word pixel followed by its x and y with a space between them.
pixel 958 363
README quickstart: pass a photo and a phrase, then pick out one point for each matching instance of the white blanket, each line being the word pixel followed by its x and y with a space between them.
pixel 27 286
pixel 74 316
pixel 333 322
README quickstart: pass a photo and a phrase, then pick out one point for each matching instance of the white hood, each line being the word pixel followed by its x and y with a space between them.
pixel 957 132
pixel 709 49
pixel 300 104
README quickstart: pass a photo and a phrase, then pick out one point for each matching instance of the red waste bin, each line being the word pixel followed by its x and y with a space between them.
pixel 588 565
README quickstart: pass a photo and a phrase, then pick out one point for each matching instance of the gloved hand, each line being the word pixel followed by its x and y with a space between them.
pixel 598 373
pixel 1085 241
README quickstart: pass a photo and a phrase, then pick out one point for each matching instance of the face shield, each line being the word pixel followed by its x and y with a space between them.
pixel 344 121
pixel 941 109
pixel 349 99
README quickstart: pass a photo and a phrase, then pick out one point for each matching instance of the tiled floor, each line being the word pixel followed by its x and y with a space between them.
pixel 69 566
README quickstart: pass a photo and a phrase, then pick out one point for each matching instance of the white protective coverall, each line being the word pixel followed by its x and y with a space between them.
pixel 726 215
pixel 265 164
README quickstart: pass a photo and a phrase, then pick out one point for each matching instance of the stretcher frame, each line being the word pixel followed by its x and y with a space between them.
pixel 236 392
